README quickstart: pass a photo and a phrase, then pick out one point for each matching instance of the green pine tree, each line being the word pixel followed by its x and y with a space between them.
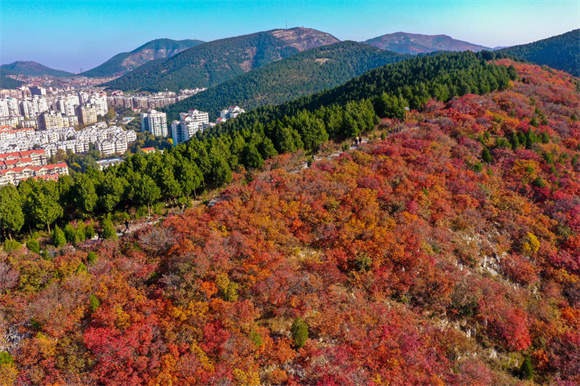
pixel 299 331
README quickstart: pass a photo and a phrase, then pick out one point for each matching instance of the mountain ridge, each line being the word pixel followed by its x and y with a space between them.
pixel 561 52
pixel 413 43
pixel 124 62
pixel 302 74
pixel 214 62
pixel 31 68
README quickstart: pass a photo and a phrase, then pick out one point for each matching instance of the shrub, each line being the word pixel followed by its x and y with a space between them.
pixel 363 262
pixel 6 358
pixel 531 244
pixel 81 236
pixel 109 232
pixel 33 245
pixel 45 255
pixel 486 155
pixel 81 268
pixel 89 231
pixel 92 257
pixel 227 289
pixel 539 182
pixel 58 237
pixel 299 332
pixel 94 303
pixel 527 369
pixel 11 245
pixel 256 338
pixel 70 234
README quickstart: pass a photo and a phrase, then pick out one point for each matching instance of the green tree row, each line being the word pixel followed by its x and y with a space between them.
pixel 207 161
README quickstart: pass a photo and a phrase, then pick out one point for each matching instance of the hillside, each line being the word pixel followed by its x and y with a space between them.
pixel 407 43
pixel 301 74
pixel 409 83
pixel 212 63
pixel 561 52
pixel 31 69
pixel 447 250
pixel 7 82
pixel 128 61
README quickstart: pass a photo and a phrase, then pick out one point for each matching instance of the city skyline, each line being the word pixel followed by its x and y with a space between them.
pixel 83 34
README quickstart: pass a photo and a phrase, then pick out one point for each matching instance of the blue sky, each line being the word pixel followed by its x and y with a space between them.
pixel 77 34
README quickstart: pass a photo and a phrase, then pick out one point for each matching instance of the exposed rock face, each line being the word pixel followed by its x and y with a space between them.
pixel 304 38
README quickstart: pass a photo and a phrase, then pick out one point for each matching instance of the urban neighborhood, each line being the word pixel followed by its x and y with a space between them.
pixel 38 124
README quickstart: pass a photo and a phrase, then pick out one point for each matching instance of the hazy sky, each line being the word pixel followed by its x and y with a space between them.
pixel 75 34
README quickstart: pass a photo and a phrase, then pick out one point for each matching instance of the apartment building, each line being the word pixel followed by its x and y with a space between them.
pixel 188 125
pixel 154 122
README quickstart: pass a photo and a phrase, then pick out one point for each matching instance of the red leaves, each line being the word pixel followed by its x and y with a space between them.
pixel 214 337
pixel 402 259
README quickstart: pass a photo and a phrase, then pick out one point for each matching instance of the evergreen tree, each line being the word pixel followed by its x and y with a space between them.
pixel 251 157
pixel 33 245
pixel 83 193
pixel 94 303
pixel 89 231
pixel 43 209
pixel 11 215
pixel 70 234
pixel 267 148
pixel 145 190
pixel 58 237
pixel 220 172
pixel 111 191
pixel 299 332
pixel 311 129
pixel 486 155
pixel 170 187
pixel 527 369
pixel 190 178
pixel 109 232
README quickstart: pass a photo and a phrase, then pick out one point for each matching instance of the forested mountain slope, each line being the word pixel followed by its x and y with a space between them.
pixel 7 82
pixel 301 74
pixel 207 161
pixel 447 250
pixel 561 52
pixel 408 43
pixel 153 50
pixel 30 68
pixel 214 62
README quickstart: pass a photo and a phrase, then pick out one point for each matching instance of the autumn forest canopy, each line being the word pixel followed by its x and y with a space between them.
pixel 444 249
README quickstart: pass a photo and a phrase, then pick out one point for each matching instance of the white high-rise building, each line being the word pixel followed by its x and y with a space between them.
pixel 231 112
pixel 99 101
pixel 155 122
pixel 188 124
pixel 66 105
pixel 13 108
pixel 4 112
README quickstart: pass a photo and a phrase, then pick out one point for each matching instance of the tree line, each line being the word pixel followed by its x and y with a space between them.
pixel 207 160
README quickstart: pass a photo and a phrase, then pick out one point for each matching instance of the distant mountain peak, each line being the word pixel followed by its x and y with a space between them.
pixel 560 52
pixel 31 68
pixel 124 62
pixel 412 43
pixel 211 63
